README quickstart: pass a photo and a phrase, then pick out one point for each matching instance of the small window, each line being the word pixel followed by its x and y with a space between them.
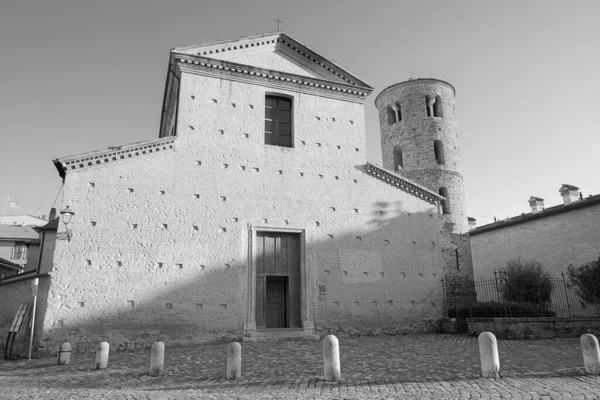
pixel 446 202
pixel 19 251
pixel 391 115
pixel 398 162
pixel 438 149
pixel 428 106
pixel 394 113
pixel 437 107
pixel 278 121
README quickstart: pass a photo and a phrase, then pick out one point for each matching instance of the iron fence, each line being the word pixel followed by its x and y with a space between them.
pixel 501 296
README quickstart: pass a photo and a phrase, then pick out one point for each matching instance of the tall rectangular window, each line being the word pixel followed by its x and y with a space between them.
pixel 19 251
pixel 278 121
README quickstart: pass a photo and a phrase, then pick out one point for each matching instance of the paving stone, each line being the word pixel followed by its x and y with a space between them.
pixel 378 367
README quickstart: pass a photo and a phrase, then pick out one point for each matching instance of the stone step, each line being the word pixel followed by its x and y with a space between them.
pixel 263 335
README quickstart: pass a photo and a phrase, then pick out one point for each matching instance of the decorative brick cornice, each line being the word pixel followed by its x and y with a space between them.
pixel 245 73
pixel 402 183
pixel 411 82
pixel 430 172
pixel 112 154
pixel 270 39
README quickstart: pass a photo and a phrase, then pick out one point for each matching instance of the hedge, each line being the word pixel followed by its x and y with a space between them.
pixel 500 310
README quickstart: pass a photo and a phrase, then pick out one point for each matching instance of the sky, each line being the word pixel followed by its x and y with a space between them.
pixel 82 75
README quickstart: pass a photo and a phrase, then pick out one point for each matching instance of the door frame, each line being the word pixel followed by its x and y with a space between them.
pixel 306 315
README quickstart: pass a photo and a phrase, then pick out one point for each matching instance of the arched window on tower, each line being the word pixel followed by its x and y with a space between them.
pixel 438 149
pixel 428 106
pixel 398 110
pixel 398 162
pixel 391 115
pixel 437 107
pixel 446 202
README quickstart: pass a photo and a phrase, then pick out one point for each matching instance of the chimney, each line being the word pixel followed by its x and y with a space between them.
pixel 569 193
pixel 536 204
pixel 472 223
pixel 52 215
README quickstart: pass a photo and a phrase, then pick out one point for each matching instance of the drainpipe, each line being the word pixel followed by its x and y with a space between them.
pixel 41 252
pixel 35 289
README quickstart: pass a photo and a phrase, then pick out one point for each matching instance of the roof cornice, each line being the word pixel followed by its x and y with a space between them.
pixel 245 73
pixel 112 154
pixel 404 184
pixel 271 38
pixel 412 82
pixel 561 208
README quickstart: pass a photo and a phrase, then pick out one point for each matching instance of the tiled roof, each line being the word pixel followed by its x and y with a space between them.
pixel 50 226
pixel 570 187
pixel 413 81
pixel 37 221
pixel 533 198
pixel 9 264
pixel 16 232
pixel 592 200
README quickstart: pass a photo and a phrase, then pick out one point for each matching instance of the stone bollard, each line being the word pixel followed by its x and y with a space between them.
pixel 234 360
pixel 157 358
pixel 591 354
pixel 102 355
pixel 64 353
pixel 488 353
pixel 331 358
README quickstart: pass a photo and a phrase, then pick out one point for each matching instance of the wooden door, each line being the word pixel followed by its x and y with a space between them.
pixel 278 256
pixel 275 302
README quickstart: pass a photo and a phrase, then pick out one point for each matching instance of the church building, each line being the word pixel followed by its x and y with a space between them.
pixel 255 213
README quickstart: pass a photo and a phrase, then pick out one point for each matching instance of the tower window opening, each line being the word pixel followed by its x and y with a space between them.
pixel 391 116
pixel 446 202
pixel 398 111
pixel 437 107
pixel 429 105
pixel 398 162
pixel 438 149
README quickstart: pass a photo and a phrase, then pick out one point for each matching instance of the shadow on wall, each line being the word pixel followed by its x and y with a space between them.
pixel 384 278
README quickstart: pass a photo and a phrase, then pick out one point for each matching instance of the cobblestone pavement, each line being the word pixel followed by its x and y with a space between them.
pixel 381 367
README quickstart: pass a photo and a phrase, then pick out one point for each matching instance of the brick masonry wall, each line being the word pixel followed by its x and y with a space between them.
pixel 415 135
pixel 13 294
pixel 556 241
pixel 160 243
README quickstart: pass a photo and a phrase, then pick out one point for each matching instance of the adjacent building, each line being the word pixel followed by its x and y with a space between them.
pixel 14 242
pixel 557 236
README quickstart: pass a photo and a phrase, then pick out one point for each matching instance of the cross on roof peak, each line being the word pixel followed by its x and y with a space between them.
pixel 278 22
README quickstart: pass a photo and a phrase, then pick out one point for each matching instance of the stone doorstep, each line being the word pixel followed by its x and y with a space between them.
pixel 265 335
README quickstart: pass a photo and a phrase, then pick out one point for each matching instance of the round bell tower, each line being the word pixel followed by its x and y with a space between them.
pixel 419 141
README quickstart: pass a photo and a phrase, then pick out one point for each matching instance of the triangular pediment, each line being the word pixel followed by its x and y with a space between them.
pixel 275 52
